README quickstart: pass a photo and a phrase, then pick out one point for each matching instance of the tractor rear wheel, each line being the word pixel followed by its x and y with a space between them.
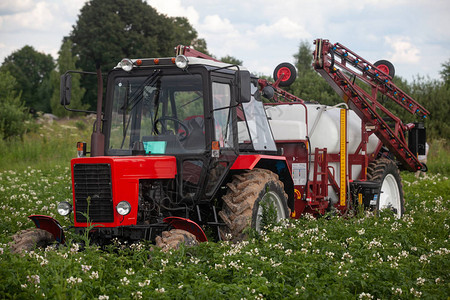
pixel 29 239
pixel 385 172
pixel 254 199
pixel 174 238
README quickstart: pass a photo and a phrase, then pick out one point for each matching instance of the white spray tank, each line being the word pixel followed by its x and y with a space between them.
pixel 321 123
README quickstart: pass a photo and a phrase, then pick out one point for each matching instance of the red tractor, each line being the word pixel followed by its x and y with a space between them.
pixel 186 143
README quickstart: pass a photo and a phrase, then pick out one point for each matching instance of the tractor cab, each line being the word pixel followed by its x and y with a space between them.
pixel 201 111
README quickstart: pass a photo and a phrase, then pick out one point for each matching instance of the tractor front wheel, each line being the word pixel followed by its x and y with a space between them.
pixel 29 239
pixel 254 199
pixel 385 172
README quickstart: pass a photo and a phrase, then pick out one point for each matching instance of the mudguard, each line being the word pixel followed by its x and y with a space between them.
pixel 51 225
pixel 188 225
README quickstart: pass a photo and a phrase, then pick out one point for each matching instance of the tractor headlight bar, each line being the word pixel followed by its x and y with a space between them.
pixel 64 208
pixel 123 208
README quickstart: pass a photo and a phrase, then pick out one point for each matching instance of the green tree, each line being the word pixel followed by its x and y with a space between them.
pixel 31 70
pixel 13 113
pixel 445 72
pixel 66 61
pixel 434 95
pixel 231 60
pixel 109 30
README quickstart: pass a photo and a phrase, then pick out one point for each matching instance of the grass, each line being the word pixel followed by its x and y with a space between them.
pixel 359 258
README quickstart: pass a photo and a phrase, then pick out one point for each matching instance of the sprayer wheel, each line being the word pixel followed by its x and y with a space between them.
pixel 385 171
pixel 385 66
pixel 244 202
pixel 288 72
pixel 29 239
pixel 174 238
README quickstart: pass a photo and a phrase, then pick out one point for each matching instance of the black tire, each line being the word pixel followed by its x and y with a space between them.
pixel 385 172
pixel 385 66
pixel 242 205
pixel 174 238
pixel 27 240
pixel 290 74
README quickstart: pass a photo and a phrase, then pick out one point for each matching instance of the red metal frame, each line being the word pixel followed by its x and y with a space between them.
pixel 366 105
pixel 248 162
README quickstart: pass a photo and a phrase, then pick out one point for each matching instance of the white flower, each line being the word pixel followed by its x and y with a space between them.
pixel 73 280
pixel 361 232
pixel 94 275
pixel 129 271
pixel 125 281
pixel 34 279
pixel 415 293
pixel 420 281
pixel 365 296
pixel 146 282
pixel 85 268
pixel 103 297
pixel 397 291
pixel 161 290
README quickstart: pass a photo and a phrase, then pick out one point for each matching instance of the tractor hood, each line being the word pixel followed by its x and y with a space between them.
pixel 100 183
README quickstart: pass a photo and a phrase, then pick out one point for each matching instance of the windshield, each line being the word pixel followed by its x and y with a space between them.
pixel 164 112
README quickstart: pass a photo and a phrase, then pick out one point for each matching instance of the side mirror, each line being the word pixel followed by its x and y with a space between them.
pixel 65 89
pixel 244 86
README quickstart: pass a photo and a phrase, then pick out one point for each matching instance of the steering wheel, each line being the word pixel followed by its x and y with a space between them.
pixel 181 136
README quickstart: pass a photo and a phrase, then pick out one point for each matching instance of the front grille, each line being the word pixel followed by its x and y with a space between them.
pixel 93 192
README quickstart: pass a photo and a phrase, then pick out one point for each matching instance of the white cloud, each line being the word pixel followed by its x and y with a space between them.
pixel 15 6
pixel 40 17
pixel 403 50
pixel 174 8
pixel 283 27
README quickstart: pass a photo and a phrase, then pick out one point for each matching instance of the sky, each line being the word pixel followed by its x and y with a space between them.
pixel 413 34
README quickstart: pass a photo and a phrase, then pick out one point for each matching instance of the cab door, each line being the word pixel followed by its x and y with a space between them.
pixel 224 131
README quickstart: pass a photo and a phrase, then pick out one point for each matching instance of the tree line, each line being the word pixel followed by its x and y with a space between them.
pixel 107 31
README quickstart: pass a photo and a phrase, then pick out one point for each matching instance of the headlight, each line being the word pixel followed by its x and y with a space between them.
pixel 126 64
pixel 123 208
pixel 64 208
pixel 181 61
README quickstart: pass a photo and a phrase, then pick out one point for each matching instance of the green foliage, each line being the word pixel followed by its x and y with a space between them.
pixel 52 144
pixel 335 258
pixel 231 60
pixel 435 97
pixel 438 156
pixel 31 70
pixel 66 61
pixel 445 72
pixel 13 114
